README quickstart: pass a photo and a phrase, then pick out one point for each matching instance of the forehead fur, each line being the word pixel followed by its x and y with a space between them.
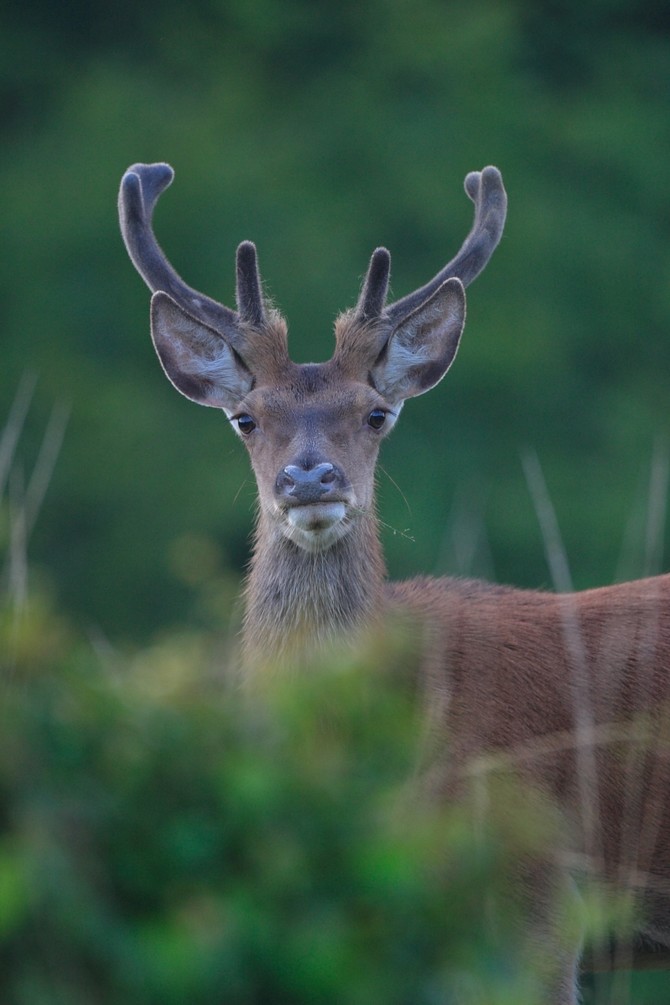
pixel 312 385
pixel 357 347
pixel 265 347
pixel 358 343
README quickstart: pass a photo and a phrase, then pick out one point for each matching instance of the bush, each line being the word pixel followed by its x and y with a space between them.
pixel 170 837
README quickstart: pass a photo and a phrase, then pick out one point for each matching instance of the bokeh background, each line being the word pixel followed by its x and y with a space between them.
pixel 161 839
pixel 321 130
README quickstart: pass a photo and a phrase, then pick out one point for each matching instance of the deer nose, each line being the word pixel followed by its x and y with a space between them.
pixel 309 485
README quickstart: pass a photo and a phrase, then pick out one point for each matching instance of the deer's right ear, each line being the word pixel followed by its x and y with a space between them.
pixel 199 361
pixel 423 345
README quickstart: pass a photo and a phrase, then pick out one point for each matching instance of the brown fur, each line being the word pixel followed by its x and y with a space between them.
pixel 547 672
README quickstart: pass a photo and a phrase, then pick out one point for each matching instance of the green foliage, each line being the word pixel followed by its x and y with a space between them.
pixel 170 834
pixel 168 837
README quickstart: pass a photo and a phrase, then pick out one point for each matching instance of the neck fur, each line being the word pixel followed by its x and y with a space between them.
pixel 298 603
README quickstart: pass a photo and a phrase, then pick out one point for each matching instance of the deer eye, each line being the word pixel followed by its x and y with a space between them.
pixel 377 418
pixel 245 424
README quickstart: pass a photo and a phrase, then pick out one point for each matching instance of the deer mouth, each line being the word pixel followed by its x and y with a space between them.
pixel 316 526
pixel 316 517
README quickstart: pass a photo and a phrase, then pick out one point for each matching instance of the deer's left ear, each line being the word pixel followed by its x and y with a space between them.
pixel 200 362
pixel 423 346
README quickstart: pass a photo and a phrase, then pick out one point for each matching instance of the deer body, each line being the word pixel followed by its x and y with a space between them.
pixel 571 690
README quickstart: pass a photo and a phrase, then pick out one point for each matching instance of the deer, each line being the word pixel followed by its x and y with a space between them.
pixel 573 689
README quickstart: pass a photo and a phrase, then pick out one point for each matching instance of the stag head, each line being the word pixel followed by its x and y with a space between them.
pixel 313 431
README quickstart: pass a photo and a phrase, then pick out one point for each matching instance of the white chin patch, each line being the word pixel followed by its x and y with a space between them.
pixel 316 527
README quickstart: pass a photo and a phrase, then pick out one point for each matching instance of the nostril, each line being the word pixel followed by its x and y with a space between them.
pixel 327 473
pixel 285 481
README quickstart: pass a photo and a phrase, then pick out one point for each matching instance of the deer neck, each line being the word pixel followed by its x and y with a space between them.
pixel 299 603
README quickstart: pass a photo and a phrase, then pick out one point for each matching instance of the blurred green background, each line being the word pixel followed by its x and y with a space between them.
pixel 321 130
pixel 158 840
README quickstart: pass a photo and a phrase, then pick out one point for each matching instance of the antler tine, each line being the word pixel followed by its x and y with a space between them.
pixel 141 186
pixel 375 286
pixel 486 190
pixel 249 293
